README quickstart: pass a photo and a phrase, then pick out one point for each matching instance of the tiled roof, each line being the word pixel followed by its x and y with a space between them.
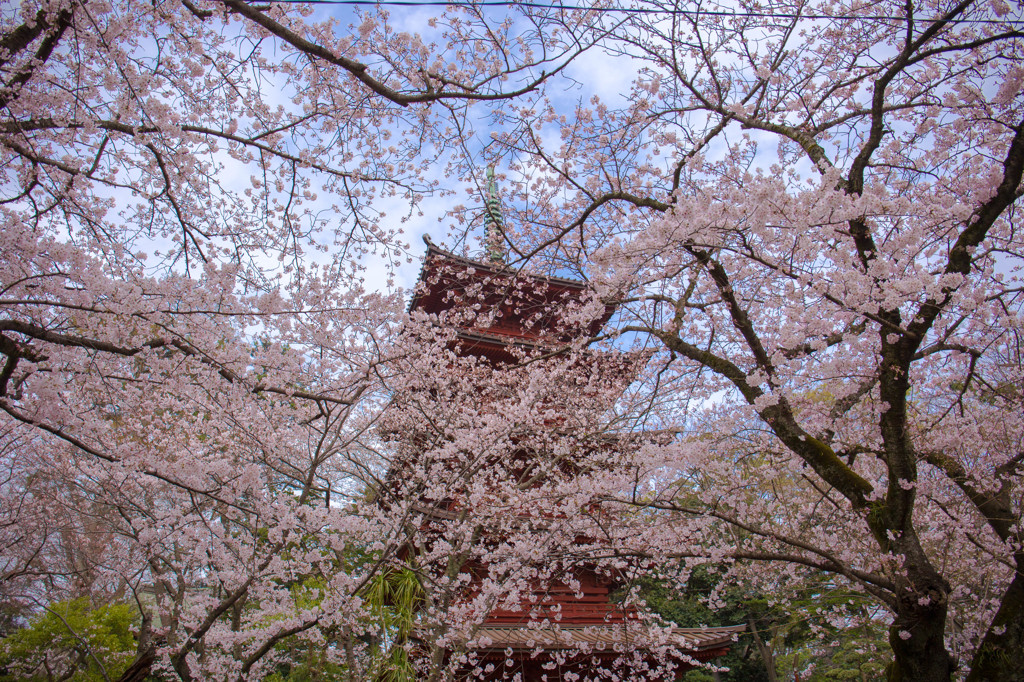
pixel 490 266
pixel 433 250
pixel 687 640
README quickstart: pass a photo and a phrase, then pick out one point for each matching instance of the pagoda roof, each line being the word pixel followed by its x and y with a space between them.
pixel 507 311
pixel 525 637
pixel 487 267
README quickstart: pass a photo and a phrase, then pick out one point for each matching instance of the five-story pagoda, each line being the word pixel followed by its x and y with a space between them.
pixel 568 625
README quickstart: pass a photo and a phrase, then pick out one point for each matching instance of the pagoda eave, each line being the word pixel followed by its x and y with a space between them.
pixel 539 652
pixel 688 641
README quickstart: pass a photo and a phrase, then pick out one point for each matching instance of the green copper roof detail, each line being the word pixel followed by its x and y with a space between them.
pixel 494 226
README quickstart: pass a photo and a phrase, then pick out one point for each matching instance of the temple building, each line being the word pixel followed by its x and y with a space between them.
pixel 515 315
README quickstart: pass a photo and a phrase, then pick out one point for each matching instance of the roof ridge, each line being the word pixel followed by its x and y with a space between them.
pixel 499 268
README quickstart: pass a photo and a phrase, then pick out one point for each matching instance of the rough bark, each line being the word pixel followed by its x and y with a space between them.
pixel 1001 654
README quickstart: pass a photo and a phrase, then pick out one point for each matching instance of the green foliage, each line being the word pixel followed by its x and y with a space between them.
pixel 823 634
pixel 688 609
pixel 302 661
pixel 71 641
pixel 858 653
pixel 394 597
pixel 307 665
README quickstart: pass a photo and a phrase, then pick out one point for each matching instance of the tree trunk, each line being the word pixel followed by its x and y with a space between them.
pixel 141 667
pixel 917 635
pixel 767 657
pixel 145 652
pixel 1000 658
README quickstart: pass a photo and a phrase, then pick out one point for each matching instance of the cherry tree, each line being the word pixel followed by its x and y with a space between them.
pixel 191 193
pixel 483 486
pixel 809 213
pixel 805 215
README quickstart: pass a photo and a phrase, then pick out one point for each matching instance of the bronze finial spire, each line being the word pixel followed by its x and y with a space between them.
pixel 493 223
